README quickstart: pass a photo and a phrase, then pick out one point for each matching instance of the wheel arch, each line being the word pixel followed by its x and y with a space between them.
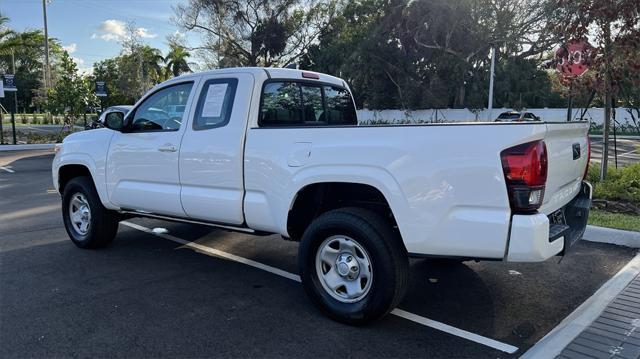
pixel 316 198
pixel 68 170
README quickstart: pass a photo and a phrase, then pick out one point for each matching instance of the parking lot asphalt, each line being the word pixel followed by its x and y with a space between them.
pixel 626 150
pixel 146 296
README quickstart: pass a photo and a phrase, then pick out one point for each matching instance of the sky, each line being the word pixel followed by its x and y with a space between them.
pixel 90 30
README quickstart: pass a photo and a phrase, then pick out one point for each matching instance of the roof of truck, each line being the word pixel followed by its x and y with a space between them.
pixel 270 72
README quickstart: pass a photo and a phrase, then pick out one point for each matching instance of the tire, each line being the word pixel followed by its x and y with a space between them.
pixel 101 224
pixel 369 238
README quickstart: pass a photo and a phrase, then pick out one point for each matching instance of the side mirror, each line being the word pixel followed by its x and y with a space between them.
pixel 114 120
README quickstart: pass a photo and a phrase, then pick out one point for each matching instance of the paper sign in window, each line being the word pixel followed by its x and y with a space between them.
pixel 214 100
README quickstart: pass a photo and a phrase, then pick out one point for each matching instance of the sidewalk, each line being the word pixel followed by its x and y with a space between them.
pixel 40 146
pixel 607 325
pixel 615 333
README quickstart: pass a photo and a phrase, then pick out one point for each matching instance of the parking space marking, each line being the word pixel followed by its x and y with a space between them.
pixel 557 339
pixel 397 312
pixel 7 168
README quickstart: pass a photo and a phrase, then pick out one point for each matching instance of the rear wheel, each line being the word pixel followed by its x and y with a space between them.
pixel 88 223
pixel 353 265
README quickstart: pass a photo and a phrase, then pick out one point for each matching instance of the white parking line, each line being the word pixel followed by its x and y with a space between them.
pixel 7 168
pixel 398 312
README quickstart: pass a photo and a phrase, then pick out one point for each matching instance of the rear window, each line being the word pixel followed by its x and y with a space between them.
pixel 509 116
pixel 305 104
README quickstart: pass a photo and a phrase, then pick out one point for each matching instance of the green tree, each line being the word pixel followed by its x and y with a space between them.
pixel 255 32
pixel 71 93
pixel 417 54
pixel 26 49
pixel 176 60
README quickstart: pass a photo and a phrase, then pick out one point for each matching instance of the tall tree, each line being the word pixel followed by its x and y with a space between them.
pixel 613 26
pixel 176 59
pixel 434 54
pixel 71 93
pixel 255 32
pixel 25 49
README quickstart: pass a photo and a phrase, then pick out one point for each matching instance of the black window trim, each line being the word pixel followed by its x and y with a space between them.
pixel 232 82
pixel 132 113
pixel 304 82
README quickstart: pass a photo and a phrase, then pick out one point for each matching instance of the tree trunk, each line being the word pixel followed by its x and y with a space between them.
pixel 461 94
pixel 607 102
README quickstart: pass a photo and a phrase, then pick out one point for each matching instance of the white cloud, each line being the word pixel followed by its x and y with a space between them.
pixel 71 48
pixel 111 30
pixel 144 33
pixel 116 30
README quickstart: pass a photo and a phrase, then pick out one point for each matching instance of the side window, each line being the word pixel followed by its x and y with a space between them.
pixel 281 104
pixel 162 111
pixel 215 104
pixel 312 106
pixel 300 104
pixel 339 107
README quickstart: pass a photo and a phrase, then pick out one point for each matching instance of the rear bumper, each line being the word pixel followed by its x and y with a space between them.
pixel 537 237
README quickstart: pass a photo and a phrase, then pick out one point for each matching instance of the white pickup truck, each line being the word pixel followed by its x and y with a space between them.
pixel 264 150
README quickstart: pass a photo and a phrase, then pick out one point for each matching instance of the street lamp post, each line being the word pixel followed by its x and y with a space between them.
pixel 491 75
pixel 47 72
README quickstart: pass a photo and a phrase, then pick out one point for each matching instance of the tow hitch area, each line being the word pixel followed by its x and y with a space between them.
pixel 570 221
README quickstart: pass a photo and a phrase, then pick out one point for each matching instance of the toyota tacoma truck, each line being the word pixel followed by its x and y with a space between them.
pixel 280 151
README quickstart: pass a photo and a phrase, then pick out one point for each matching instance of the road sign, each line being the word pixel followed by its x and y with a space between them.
pixel 101 89
pixel 574 58
pixel 9 83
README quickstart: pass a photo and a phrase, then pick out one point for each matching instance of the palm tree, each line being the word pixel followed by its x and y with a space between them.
pixel 10 40
pixel 176 60
pixel 149 62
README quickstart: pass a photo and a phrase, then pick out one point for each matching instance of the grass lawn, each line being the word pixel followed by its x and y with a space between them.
pixel 614 220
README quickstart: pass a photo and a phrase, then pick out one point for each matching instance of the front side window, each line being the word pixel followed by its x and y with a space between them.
pixel 162 111
pixel 310 104
pixel 215 103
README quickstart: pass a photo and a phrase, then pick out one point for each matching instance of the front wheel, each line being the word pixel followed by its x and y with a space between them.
pixel 353 265
pixel 88 223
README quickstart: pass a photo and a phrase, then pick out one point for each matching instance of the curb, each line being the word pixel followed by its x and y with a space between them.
pixel 40 146
pixel 612 236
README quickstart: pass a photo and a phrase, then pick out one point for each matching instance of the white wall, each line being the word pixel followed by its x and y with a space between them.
pixel 461 115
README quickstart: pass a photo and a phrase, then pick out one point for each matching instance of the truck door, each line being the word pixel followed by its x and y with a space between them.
pixel 212 152
pixel 142 162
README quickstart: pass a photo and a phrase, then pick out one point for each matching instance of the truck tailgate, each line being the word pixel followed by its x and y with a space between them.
pixel 567 152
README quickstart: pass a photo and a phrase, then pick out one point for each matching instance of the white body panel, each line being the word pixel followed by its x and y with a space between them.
pixel 444 183
pixel 565 174
pixel 211 161
pixel 142 168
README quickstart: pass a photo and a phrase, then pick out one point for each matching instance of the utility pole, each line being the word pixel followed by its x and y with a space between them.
pixel 47 67
pixel 493 64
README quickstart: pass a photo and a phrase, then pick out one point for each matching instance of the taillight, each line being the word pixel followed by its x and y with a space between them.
pixel 525 171
pixel 586 168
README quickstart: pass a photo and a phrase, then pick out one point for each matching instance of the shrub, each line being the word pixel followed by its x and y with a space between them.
pixel 622 184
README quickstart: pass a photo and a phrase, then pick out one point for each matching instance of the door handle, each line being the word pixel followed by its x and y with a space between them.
pixel 168 148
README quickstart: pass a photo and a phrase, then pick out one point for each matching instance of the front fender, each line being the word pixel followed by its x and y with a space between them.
pixel 67 157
